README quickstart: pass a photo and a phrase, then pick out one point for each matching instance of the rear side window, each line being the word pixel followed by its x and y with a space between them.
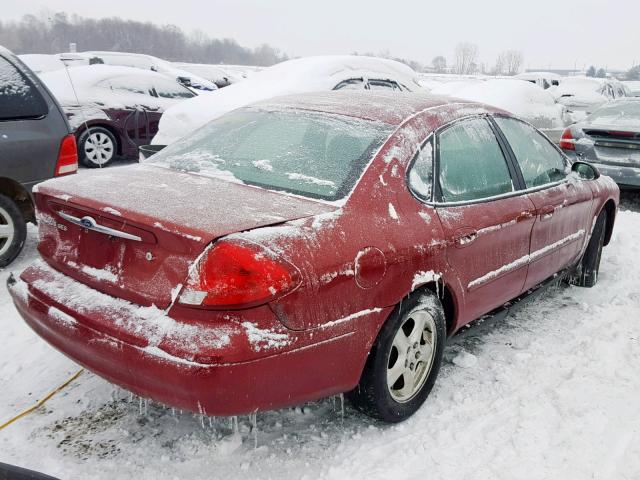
pixel 471 163
pixel 350 84
pixel 539 161
pixel 19 98
pixel 421 173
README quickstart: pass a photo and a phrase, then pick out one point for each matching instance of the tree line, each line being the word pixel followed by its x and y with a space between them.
pixel 53 33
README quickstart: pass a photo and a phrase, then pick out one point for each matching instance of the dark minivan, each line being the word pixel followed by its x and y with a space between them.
pixel 35 144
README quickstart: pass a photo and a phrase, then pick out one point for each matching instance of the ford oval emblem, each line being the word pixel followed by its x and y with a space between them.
pixel 88 222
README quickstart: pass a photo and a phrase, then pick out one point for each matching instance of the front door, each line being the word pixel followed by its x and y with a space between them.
pixel 562 204
pixel 486 224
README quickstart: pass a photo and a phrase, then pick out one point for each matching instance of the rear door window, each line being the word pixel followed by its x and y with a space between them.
pixel 384 85
pixel 539 161
pixel 19 98
pixel 471 163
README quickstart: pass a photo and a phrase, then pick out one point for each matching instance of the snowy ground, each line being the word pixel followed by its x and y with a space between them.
pixel 551 392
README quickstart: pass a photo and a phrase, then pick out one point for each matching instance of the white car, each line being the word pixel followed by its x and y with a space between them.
pixel 145 62
pixel 522 98
pixel 301 75
pixel 583 95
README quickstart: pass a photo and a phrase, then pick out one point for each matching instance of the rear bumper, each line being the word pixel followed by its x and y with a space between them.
pixel 218 387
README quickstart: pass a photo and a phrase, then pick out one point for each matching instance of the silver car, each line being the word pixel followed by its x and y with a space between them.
pixel 609 138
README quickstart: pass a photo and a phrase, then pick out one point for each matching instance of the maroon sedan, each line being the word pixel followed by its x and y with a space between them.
pixel 308 246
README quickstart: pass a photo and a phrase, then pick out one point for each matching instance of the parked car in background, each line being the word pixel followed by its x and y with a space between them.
pixel 583 95
pixel 306 246
pixel 144 62
pixel 542 79
pixel 214 73
pixel 610 139
pixel 633 86
pixel 113 110
pixel 524 99
pixel 35 145
pixel 41 62
pixel 301 75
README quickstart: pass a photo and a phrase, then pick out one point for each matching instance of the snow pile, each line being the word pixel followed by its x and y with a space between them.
pixel 263 339
pixel 519 97
pixel 293 76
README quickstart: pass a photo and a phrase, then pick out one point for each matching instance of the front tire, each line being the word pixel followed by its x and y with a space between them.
pixel 586 274
pixel 404 362
pixel 13 230
pixel 97 147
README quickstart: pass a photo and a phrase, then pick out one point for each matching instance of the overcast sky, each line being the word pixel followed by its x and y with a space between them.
pixel 550 33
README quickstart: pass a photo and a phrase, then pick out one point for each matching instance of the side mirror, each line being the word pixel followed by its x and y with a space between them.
pixel 585 170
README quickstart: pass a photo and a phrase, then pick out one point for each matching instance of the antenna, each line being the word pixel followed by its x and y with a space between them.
pixel 73 88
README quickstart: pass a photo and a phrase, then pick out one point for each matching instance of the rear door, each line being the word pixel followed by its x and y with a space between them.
pixel 562 204
pixel 487 223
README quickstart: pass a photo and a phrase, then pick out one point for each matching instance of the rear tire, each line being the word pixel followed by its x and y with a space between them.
pixel 13 231
pixel 587 271
pixel 97 147
pixel 404 361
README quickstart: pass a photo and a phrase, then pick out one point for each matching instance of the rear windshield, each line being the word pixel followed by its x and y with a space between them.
pixel 19 99
pixel 622 114
pixel 311 154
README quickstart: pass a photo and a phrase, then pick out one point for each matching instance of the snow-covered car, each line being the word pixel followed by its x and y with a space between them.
pixel 306 246
pixel 149 62
pixel 522 98
pixel 113 110
pixel 217 74
pixel 301 75
pixel 633 87
pixel 41 62
pixel 542 79
pixel 583 95
pixel 609 138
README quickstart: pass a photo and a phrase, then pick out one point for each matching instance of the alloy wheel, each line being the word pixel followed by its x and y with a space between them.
pixel 411 355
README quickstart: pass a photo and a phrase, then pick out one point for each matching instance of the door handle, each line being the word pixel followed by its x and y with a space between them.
pixel 546 212
pixel 466 238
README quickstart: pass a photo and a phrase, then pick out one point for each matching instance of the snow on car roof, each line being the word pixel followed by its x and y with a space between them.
pixel 301 75
pixel 85 79
pixel 387 107
pixel 519 97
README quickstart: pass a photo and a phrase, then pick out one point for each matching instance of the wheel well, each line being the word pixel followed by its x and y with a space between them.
pixel 113 132
pixel 445 296
pixel 610 208
pixel 15 191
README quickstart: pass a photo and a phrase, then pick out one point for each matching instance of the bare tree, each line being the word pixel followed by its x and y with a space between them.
pixel 509 63
pixel 439 64
pixel 466 58
pixel 52 32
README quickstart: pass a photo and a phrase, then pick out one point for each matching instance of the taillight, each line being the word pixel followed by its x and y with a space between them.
pixel 567 142
pixel 235 274
pixel 67 157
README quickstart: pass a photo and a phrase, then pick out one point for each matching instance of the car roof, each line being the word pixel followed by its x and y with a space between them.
pixel 387 107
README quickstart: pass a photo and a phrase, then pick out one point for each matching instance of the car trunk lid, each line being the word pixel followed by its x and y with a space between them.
pixel 133 232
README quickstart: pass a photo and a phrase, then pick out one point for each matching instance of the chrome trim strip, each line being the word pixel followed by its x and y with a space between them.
pixel 89 223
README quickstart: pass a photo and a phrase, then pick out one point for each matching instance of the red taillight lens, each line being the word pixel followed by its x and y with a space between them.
pixel 567 141
pixel 67 157
pixel 238 274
